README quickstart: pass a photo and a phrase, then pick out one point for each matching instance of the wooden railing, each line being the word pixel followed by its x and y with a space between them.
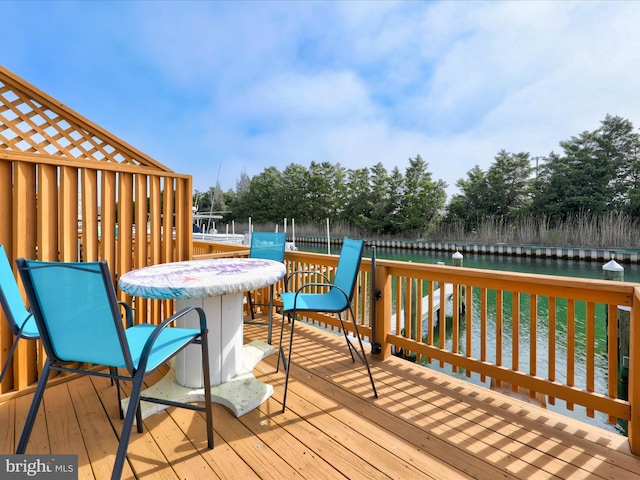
pixel 549 336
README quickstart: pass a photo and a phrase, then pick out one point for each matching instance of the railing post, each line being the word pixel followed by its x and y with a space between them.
pixel 457 262
pixel 383 313
pixel 634 375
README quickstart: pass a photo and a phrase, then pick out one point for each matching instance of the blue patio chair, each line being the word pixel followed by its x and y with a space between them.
pixel 80 321
pixel 270 246
pixel 327 297
pixel 20 320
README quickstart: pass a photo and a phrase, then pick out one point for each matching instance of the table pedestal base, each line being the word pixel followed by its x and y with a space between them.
pixel 241 394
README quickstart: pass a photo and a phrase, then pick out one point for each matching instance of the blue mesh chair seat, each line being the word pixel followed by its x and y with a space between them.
pixel 269 246
pixel 80 322
pixel 327 297
pixel 21 322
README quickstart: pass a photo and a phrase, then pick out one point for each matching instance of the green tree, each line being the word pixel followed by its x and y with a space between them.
pixel 357 209
pixel 508 182
pixel 470 205
pixel 597 173
pixel 381 205
pixel 503 190
pixel 423 198
pixel 551 188
pixel 260 201
pixel 618 143
pixel 325 190
pixel 295 202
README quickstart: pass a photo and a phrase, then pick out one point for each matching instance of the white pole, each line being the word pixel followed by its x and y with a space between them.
pixel 233 227
pixel 227 232
pixel 250 229
pixel 277 227
pixel 293 230
pixel 328 239
pixel 285 224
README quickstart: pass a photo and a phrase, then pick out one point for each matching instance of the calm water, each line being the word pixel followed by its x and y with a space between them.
pixel 570 268
pixel 545 266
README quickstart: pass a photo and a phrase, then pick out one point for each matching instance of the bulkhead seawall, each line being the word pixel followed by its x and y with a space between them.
pixel 621 255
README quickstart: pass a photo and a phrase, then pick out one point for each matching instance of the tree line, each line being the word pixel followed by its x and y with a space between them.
pixel 594 174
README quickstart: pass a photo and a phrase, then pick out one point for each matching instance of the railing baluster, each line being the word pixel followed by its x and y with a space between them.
pixel 552 344
pixel 612 354
pixel 590 351
pixel 483 326
pixel 455 320
pixel 499 327
pixel 533 338
pixel 515 331
pixel 571 346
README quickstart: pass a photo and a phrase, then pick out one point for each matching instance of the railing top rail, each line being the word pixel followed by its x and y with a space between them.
pixel 596 290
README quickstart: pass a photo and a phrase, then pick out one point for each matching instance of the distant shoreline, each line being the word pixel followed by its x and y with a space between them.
pixel 621 255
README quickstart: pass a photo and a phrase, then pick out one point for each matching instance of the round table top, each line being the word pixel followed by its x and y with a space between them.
pixel 201 278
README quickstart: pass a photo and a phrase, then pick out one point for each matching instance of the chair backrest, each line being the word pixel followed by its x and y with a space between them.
pixel 76 310
pixel 349 265
pixel 10 297
pixel 268 245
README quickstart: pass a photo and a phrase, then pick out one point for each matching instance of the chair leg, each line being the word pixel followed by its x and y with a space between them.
pixel 286 362
pixel 139 418
pixel 280 350
pixel 132 412
pixel 270 327
pixel 350 346
pixel 251 305
pixel 361 353
pixel 116 382
pixel 204 343
pixel 33 410
pixel 5 367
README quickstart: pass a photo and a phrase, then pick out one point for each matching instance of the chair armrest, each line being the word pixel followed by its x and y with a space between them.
pixel 318 284
pixel 302 272
pixel 127 312
pixel 144 356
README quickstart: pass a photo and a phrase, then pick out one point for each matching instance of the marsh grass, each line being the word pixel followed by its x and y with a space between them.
pixel 610 230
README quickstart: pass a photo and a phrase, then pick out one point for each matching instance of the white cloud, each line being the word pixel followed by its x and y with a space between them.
pixel 248 85
pixel 291 96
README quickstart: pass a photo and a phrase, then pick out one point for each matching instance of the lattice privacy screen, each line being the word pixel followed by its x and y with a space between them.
pixel 33 122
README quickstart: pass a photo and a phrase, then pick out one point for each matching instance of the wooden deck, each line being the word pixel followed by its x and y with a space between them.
pixel 424 425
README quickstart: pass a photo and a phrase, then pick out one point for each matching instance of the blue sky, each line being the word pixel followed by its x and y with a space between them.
pixel 215 89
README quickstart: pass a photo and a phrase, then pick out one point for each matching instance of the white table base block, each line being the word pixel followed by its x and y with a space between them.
pixel 240 394
pixel 224 323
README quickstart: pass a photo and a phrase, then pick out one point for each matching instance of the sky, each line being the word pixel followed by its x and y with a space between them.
pixel 218 89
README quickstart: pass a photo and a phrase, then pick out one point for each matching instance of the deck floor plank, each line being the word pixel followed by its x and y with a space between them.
pixel 262 459
pixel 178 449
pixel 39 440
pixel 424 424
pixel 223 460
pixel 392 399
pixel 90 414
pixel 7 419
pixel 298 443
pixel 360 433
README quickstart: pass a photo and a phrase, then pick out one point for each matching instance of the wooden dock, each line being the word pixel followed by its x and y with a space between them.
pixel 424 425
pixel 435 310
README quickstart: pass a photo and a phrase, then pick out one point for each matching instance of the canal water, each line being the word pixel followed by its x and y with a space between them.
pixel 545 266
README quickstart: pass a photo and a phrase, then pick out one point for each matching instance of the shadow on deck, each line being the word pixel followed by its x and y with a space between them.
pixel 424 425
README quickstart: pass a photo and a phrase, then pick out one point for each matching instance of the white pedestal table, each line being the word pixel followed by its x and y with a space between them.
pixel 217 286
